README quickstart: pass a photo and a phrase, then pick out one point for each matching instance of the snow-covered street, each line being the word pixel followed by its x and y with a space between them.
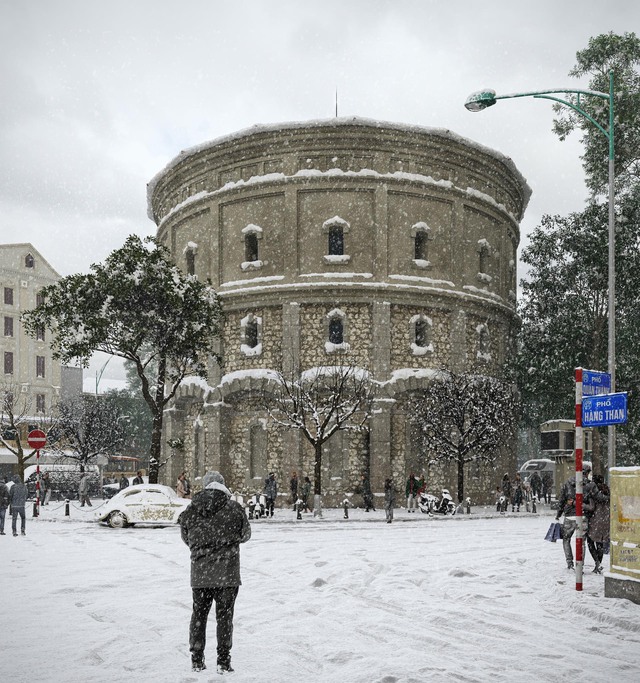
pixel 471 598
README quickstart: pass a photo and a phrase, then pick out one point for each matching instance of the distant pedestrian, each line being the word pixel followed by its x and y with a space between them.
pixel 4 504
pixel 517 496
pixel 83 490
pixel 293 487
pixel 306 492
pixel 547 487
pixel 536 484
pixel 46 488
pixel 367 495
pixel 138 479
pixel 183 487
pixel 507 490
pixel 499 499
pixel 17 503
pixel 124 482
pixel 389 499
pixel 411 491
pixel 213 526
pixel 270 493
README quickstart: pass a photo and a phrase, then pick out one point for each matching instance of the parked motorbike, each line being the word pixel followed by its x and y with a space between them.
pixel 430 504
pixel 257 506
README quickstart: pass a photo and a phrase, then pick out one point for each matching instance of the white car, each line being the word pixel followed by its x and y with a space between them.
pixel 142 504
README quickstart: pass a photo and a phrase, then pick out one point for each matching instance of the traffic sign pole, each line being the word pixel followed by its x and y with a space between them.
pixel 579 491
pixel 37 439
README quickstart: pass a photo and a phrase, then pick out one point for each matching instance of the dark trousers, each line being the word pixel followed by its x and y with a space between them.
pixel 270 506
pixel 14 519
pixel 3 512
pixel 202 600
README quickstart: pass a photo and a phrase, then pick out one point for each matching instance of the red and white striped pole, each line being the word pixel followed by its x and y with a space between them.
pixel 37 440
pixel 578 501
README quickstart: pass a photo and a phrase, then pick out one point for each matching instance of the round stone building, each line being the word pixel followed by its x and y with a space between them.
pixel 383 246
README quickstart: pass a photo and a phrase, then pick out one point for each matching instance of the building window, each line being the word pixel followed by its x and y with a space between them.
pixel 29 261
pixel 39 366
pixel 335 229
pixel 40 333
pixel 336 332
pixel 251 234
pixel 421 333
pixel 190 257
pixel 8 363
pixel 336 241
pixel 40 403
pixel 421 251
pixel 39 299
pixel 251 328
pixel 8 296
pixel 251 247
pixel 8 326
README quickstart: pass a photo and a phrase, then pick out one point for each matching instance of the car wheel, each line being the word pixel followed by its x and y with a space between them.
pixel 117 520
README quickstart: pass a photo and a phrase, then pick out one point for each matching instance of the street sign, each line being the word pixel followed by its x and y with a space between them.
pixel 37 439
pixel 603 410
pixel 594 383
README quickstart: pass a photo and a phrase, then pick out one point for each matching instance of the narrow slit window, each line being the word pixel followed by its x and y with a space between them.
pixel 251 247
pixel 422 333
pixel 336 240
pixel 191 261
pixel 421 248
pixel 251 334
pixel 29 261
pixel 336 331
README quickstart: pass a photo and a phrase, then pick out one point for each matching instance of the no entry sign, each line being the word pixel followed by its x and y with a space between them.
pixel 37 439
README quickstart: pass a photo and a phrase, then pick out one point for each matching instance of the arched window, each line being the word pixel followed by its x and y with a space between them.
pixel 336 331
pixel 421 333
pixel 251 335
pixel 190 252
pixel 484 256
pixel 421 244
pixel 29 261
pixel 336 241
pixel 484 343
pixel 251 247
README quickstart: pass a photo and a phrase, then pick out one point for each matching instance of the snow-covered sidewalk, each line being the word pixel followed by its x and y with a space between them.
pixel 478 597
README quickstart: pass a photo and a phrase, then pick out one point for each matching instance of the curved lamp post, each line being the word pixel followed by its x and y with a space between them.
pixel 487 98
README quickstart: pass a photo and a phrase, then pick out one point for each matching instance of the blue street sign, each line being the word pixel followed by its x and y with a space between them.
pixel 594 383
pixel 603 410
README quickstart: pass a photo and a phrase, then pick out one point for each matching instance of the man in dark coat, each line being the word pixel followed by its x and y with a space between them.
pixel 18 501
pixel 213 527
pixel 4 504
pixel 567 506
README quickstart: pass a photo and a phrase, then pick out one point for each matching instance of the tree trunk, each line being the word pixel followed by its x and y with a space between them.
pixel 317 470
pixel 156 429
pixel 596 452
pixel 460 479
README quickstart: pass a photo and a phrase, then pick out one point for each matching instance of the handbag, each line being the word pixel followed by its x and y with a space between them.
pixel 554 533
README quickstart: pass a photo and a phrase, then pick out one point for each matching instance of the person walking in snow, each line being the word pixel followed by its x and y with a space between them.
pixel 183 488
pixel 124 482
pixel 306 492
pixel 293 487
pixel 213 526
pixel 138 479
pixel 389 499
pixel 17 503
pixel 597 507
pixel 507 490
pixel 567 506
pixel 411 491
pixel 83 490
pixel 547 486
pixel 518 494
pixel 4 504
pixel 270 493
pixel 367 495
pixel 536 485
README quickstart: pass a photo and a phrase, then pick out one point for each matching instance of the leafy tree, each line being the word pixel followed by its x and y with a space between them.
pixel 141 307
pixel 605 53
pixel 319 403
pixel 86 428
pixel 464 419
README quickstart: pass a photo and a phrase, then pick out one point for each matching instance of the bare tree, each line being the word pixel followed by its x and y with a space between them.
pixel 465 418
pixel 320 402
pixel 88 427
pixel 16 414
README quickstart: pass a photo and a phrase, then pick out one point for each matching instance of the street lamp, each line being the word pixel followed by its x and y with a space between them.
pixel 482 99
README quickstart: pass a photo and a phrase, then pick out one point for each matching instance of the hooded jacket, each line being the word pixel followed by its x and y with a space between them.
pixel 18 493
pixel 213 526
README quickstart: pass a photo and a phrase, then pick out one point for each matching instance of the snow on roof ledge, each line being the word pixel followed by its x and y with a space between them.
pixel 355 121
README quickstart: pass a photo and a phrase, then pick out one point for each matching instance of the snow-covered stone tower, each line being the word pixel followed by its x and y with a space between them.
pixel 390 247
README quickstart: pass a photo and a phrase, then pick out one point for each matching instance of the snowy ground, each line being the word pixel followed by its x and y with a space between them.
pixel 471 598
